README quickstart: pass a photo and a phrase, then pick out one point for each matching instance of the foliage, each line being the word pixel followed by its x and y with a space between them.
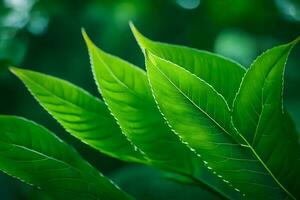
pixel 202 118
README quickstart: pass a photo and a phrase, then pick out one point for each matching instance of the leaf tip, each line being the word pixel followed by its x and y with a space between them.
pixel 140 38
pixel 13 70
pixel 85 35
pixel 86 38
pixel 131 25
pixel 134 29
pixel 17 71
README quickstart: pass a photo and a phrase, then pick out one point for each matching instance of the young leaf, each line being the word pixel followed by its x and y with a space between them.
pixel 258 115
pixel 201 116
pixel 81 114
pixel 126 91
pixel 36 156
pixel 223 74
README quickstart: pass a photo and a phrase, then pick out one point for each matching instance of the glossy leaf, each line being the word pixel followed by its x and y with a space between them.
pixel 81 114
pixel 259 116
pixel 201 117
pixel 223 74
pixel 126 91
pixel 36 156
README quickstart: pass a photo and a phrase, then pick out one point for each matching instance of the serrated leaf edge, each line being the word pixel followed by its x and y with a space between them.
pixel 88 41
pixel 45 155
pixel 186 143
pixel 112 154
pixel 293 43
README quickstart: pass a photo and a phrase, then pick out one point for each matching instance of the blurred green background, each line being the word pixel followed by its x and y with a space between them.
pixel 45 36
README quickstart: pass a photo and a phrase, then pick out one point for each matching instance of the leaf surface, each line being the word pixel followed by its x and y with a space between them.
pixel 259 116
pixel 202 118
pixel 35 155
pixel 81 114
pixel 126 91
pixel 223 74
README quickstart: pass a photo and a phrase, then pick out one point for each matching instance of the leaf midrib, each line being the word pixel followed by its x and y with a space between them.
pixel 77 106
pixel 247 143
pixel 176 171
pixel 58 97
pixel 117 79
pixel 34 151
pixel 262 92
pixel 194 105
pixel 245 140
pixel 191 101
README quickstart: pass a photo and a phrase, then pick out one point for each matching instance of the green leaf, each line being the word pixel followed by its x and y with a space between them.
pixel 36 156
pixel 223 74
pixel 258 115
pixel 81 114
pixel 126 91
pixel 201 117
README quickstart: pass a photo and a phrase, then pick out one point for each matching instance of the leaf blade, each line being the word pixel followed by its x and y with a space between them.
pixel 267 118
pixel 81 114
pixel 38 157
pixel 221 150
pixel 221 73
pixel 135 110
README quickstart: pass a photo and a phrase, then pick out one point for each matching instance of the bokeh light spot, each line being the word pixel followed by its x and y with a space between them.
pixel 19 14
pixel 237 45
pixel 124 12
pixel 188 4
pixel 289 8
pixel 20 5
pixel 38 23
